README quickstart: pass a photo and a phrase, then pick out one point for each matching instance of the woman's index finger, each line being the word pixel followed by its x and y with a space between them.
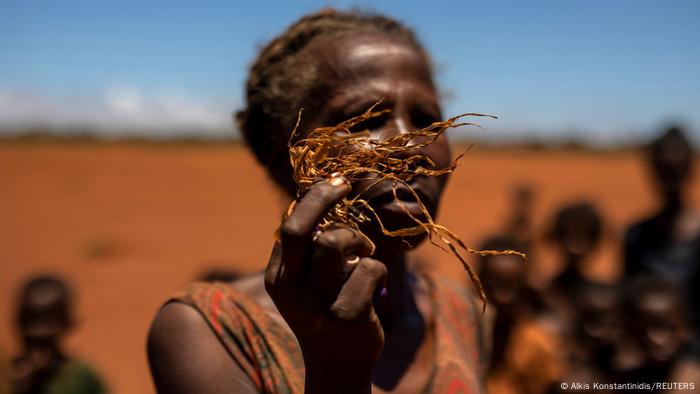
pixel 296 232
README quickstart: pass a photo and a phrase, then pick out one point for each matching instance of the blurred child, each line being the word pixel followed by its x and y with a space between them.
pixel 521 337
pixel 659 334
pixel 44 317
pixel 594 338
pixel 576 232
pixel 519 224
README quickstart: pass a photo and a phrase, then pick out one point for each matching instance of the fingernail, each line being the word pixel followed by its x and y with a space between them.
pixel 316 234
pixel 383 293
pixel 337 179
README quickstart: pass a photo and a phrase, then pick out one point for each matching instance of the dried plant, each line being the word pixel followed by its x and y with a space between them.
pixel 327 151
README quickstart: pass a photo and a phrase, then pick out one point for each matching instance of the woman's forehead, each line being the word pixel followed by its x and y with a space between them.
pixel 369 55
pixel 367 51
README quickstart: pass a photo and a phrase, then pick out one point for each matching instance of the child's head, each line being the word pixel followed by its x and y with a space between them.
pixel 44 311
pixel 577 230
pixel 656 313
pixel 671 157
pixel 503 277
pixel 597 309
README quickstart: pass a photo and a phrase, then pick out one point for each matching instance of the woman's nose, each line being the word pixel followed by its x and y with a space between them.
pixel 401 126
pixel 396 126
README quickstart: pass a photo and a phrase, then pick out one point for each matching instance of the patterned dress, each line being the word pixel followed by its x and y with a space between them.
pixel 270 356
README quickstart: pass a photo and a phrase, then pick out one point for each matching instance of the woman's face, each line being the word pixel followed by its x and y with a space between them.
pixel 359 71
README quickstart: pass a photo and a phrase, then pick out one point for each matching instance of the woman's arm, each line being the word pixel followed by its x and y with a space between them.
pixel 186 357
pixel 323 285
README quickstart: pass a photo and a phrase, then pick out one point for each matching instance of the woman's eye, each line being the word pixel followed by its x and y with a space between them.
pixel 372 124
pixel 421 119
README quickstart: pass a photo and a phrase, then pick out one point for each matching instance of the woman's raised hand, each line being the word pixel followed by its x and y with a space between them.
pixel 323 283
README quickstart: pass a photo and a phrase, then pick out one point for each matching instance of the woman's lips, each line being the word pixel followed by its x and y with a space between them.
pixel 402 208
pixel 381 197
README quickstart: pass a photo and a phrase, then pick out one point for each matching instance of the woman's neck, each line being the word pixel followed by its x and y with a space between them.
pixel 394 299
pixel 404 322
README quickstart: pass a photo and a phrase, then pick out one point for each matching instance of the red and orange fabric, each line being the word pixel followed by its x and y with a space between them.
pixel 270 355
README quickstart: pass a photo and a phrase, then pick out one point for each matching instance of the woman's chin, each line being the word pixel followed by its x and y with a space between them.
pixel 387 243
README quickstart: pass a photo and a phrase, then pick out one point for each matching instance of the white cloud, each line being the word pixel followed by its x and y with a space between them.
pixel 120 109
pixel 127 110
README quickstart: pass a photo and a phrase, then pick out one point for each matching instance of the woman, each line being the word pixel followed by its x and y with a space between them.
pixel 326 317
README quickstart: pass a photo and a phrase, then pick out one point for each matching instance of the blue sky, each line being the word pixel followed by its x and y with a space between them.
pixel 601 70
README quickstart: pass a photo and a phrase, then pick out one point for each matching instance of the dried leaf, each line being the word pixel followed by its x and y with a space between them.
pixel 357 156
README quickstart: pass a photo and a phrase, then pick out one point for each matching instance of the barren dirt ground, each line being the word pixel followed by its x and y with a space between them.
pixel 128 224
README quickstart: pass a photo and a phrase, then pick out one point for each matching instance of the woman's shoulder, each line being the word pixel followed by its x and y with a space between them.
pixel 233 324
pixel 185 356
pixel 215 297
